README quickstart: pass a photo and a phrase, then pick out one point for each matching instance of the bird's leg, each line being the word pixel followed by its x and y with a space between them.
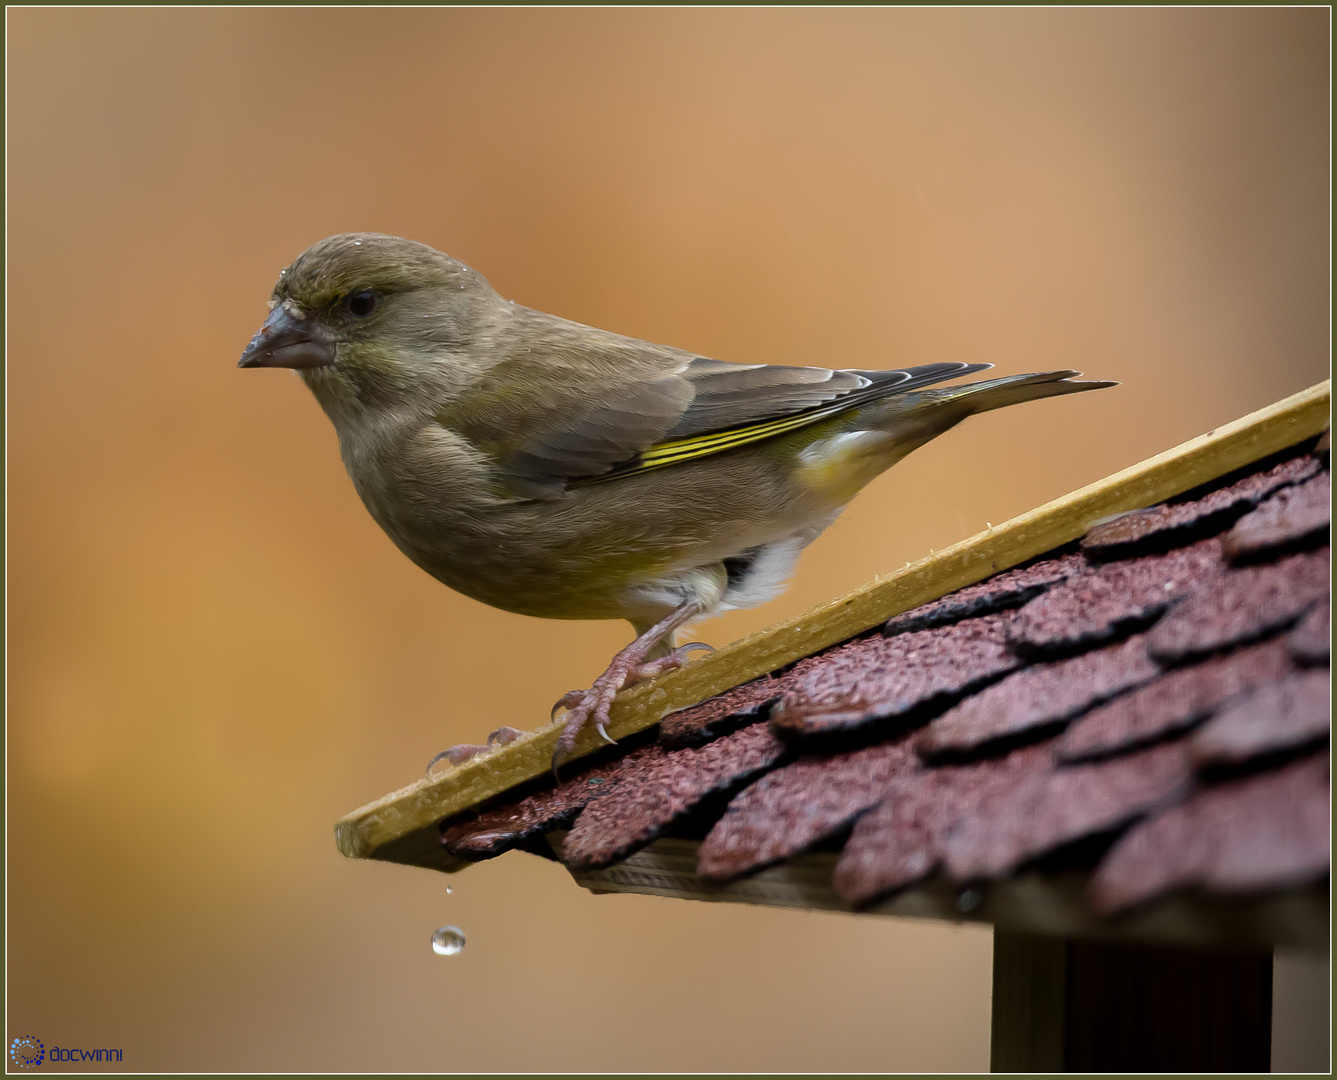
pixel 630 666
pixel 670 661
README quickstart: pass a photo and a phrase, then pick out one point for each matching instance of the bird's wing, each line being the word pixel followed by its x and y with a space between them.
pixel 705 407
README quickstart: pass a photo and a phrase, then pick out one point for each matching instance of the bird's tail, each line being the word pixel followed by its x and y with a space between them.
pixel 1013 389
pixel 878 435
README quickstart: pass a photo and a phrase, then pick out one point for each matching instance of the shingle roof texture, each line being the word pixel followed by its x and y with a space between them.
pixel 877 678
pixel 1268 719
pixel 1263 832
pixel 512 824
pixel 729 711
pixel 1157 705
pixel 1010 589
pixel 1114 600
pixel 1057 806
pixel 791 809
pixel 903 840
pixel 1176 523
pixel 1311 640
pixel 1173 703
pixel 1242 605
pixel 649 799
pixel 1290 518
pixel 1038 699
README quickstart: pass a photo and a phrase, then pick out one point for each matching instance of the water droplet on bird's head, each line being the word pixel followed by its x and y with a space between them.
pixel 447 940
pixel 357 243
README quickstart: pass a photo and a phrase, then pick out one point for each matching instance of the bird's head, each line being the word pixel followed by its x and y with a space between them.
pixel 372 321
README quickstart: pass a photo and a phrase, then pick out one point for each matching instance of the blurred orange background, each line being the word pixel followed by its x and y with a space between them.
pixel 214 652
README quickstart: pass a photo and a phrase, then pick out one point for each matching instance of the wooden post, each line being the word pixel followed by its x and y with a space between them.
pixel 1029 1002
pixel 1064 1005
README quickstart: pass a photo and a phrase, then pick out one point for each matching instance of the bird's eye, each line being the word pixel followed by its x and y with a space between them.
pixel 361 304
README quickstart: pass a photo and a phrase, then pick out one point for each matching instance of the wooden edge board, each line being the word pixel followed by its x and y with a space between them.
pixel 379 829
pixel 1033 903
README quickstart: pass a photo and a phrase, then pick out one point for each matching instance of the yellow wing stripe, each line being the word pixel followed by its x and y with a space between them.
pixel 703 443
pixel 679 450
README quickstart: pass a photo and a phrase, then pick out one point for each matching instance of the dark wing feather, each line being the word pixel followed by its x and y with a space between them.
pixel 727 395
pixel 667 421
pixel 735 395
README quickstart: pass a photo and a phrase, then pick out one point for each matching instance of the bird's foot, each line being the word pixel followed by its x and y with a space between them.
pixel 628 668
pixel 462 752
pixel 584 706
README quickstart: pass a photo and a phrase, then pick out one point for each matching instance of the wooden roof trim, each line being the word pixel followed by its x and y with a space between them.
pixel 399 827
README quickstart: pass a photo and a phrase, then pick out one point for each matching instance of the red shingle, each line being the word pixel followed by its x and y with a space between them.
pixel 1280 716
pixel 1113 601
pixel 1242 605
pixel 1038 698
pixel 1054 808
pixel 876 678
pixel 731 710
pixel 793 808
pixel 504 827
pixel 646 802
pixel 1173 524
pixel 1311 641
pixel 1174 702
pixel 1289 519
pixel 1266 832
pixel 901 841
pixel 1007 590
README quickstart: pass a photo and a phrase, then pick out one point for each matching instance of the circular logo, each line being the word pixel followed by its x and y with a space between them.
pixel 26 1052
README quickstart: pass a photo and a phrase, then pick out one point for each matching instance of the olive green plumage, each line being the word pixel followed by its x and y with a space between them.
pixel 555 469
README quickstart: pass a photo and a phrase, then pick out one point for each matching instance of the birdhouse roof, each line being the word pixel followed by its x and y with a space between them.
pixel 1107 716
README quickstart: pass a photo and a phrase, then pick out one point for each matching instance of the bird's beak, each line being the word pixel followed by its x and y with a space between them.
pixel 288 340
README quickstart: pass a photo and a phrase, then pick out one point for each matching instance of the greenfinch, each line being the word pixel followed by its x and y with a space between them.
pixel 558 470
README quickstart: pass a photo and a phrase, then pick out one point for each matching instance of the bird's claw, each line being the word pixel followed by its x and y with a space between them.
pixel 672 662
pixel 459 754
pixel 581 704
pixel 570 701
pixel 586 706
pixel 456 755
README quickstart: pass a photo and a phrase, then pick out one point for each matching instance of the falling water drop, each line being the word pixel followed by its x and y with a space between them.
pixel 449 890
pixel 447 940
